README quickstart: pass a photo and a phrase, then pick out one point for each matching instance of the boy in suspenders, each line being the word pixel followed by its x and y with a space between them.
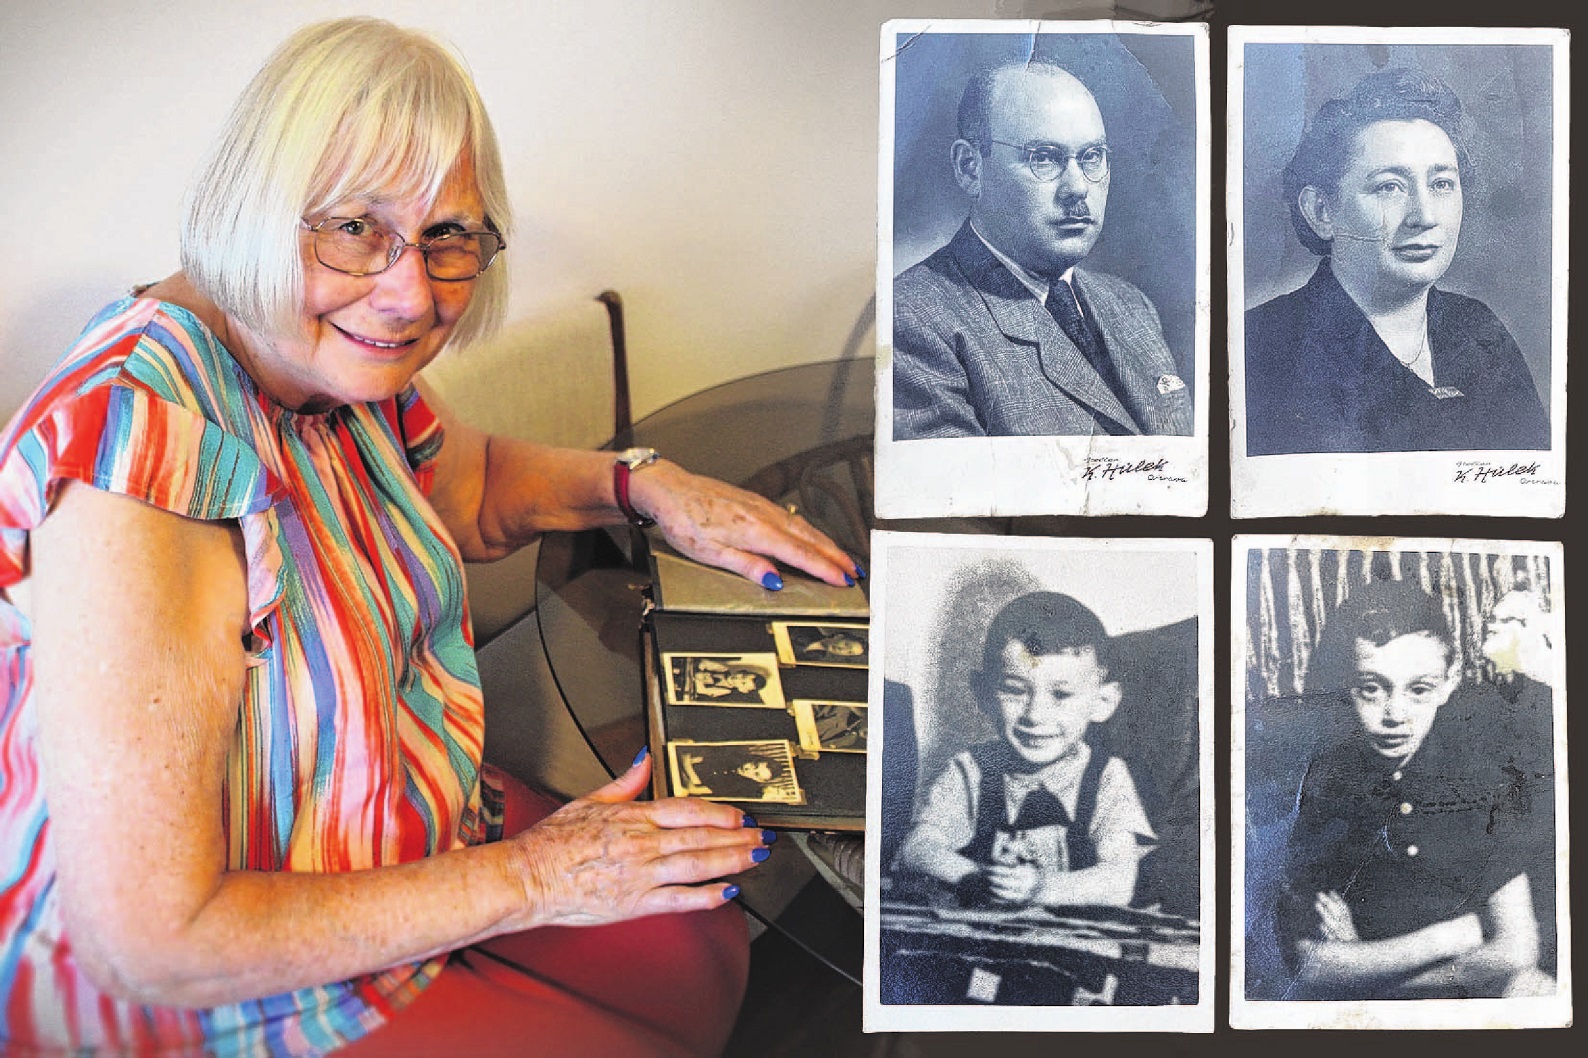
pixel 1038 817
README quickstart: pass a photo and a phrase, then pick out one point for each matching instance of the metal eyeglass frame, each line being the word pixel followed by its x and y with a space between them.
pixel 1030 149
pixel 401 245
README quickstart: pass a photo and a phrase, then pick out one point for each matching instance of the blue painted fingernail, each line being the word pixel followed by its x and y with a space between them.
pixel 760 855
pixel 860 571
pixel 645 751
pixel 730 892
pixel 849 580
pixel 768 836
pixel 772 582
pixel 749 820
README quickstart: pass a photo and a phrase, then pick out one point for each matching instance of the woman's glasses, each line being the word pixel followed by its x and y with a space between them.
pixel 359 246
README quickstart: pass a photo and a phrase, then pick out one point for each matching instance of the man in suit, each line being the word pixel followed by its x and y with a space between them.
pixel 999 332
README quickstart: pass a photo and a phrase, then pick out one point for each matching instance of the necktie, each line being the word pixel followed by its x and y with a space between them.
pixel 1066 313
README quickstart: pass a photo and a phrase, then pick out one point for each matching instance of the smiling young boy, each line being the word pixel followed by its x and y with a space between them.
pixel 1407 873
pixel 1037 817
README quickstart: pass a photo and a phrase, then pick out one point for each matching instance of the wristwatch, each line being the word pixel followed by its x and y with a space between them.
pixel 626 463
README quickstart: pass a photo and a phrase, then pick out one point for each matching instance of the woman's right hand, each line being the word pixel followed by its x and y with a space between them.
pixel 607 857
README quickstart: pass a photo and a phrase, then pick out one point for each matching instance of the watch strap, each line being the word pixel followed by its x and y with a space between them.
pixel 621 472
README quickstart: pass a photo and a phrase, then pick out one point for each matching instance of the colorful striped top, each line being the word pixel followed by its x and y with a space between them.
pixel 361 726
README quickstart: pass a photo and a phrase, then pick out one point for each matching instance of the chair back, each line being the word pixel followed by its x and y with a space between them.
pixel 560 378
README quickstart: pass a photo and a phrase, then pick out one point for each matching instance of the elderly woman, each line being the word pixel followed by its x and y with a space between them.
pixel 1370 356
pixel 243 808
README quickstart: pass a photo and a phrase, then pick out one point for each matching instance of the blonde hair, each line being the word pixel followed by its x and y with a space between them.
pixel 343 109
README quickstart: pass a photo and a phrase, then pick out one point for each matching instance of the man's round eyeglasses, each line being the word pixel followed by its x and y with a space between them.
pixel 359 246
pixel 1047 162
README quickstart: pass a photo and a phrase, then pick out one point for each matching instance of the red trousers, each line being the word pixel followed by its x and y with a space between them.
pixel 659 986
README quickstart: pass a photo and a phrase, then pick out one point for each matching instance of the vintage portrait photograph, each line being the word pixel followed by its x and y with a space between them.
pixel 830 727
pixel 839 645
pixel 1042 260
pixel 1398 776
pixel 1397 285
pixel 735 771
pixel 1040 832
pixel 747 680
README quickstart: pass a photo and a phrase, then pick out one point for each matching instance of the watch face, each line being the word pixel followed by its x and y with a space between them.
pixel 634 458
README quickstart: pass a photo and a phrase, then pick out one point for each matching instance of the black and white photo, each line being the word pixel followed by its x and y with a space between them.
pixel 1399 785
pixel 742 680
pixel 1041 801
pixel 830 727
pixel 1395 291
pixel 1040 264
pixel 834 644
pixel 735 771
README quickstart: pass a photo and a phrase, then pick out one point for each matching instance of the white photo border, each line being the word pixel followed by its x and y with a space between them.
pixel 1009 476
pixel 1530 1012
pixel 1198 1017
pixel 1457 482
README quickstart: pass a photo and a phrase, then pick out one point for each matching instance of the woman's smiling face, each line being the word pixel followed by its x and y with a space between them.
pixel 1396 216
pixel 364 338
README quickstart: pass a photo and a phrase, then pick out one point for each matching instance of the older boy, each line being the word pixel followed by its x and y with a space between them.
pixel 1407 871
pixel 1037 817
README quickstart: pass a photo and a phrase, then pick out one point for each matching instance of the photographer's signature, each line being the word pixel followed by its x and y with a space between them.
pixel 1105 468
pixel 1479 472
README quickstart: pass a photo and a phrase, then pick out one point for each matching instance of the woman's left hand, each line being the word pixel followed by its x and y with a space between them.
pixel 715 523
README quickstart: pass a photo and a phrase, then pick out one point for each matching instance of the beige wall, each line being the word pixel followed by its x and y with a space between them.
pixel 714 160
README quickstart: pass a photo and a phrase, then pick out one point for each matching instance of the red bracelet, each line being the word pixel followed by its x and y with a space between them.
pixel 620 492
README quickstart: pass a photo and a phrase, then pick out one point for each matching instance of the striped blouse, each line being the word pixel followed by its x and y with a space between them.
pixel 361 727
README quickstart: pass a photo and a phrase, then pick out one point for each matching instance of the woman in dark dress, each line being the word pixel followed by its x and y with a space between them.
pixel 1370 356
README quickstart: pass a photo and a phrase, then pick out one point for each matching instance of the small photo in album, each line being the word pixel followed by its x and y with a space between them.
pixel 830 727
pixel 743 680
pixel 845 646
pixel 761 771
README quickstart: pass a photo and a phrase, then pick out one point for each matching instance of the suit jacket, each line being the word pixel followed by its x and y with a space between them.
pixel 975 354
pixel 1320 379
